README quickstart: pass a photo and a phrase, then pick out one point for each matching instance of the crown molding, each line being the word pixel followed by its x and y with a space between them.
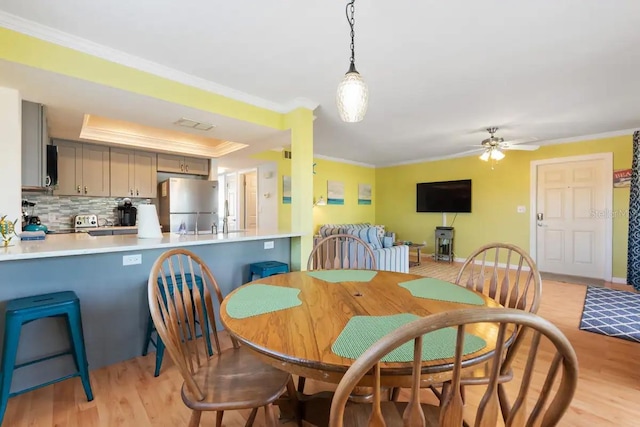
pixel 349 162
pixel 611 134
pixel 301 103
pixel 51 35
pixel 430 159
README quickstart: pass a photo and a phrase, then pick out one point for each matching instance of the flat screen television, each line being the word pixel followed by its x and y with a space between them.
pixel 444 196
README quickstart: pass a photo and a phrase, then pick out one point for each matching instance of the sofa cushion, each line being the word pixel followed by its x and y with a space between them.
pixel 331 229
pixel 381 231
pixel 387 242
pixel 368 234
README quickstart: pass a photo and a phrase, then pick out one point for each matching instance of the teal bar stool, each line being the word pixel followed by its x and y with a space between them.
pixel 267 268
pixel 21 311
pixel 157 343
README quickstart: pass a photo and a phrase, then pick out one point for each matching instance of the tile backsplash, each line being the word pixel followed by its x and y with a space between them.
pixel 58 211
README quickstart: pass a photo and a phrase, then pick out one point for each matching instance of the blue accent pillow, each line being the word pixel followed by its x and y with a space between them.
pixel 387 242
pixel 368 234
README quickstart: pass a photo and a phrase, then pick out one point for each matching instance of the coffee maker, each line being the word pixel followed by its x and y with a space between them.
pixel 127 213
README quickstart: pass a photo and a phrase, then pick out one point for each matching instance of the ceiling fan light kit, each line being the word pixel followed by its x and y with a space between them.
pixel 353 95
pixel 493 146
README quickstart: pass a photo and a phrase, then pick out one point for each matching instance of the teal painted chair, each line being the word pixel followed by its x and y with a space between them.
pixel 151 330
pixel 21 311
pixel 267 268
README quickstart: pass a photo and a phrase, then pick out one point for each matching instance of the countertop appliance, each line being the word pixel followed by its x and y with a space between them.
pixel 188 205
pixel 85 221
pixel 31 221
pixel 127 213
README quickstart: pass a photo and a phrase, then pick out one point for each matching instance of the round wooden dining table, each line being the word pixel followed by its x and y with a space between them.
pixel 299 339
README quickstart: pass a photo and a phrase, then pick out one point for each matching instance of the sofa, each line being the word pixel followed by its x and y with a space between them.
pixel 388 257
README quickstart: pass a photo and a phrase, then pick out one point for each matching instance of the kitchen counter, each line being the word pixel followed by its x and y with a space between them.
pixel 110 275
pixel 62 245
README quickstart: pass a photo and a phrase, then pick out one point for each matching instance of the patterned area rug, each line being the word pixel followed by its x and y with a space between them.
pixel 612 312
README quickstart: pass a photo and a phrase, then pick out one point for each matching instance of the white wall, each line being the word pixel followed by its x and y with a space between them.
pixel 213 170
pixel 268 196
pixel 11 154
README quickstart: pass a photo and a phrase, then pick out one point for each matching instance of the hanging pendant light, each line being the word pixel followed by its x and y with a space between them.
pixel 353 95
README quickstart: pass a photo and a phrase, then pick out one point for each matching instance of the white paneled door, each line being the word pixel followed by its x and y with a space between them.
pixel 572 217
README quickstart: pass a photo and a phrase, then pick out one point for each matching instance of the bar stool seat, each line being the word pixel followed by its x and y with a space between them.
pixel 157 343
pixel 267 268
pixel 21 311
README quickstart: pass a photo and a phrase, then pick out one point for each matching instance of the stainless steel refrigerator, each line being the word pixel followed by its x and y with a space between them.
pixel 188 205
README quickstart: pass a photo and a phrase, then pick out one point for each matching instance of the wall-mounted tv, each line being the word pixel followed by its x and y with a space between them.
pixel 444 196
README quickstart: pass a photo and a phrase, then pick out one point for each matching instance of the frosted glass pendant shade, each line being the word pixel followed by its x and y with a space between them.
pixel 352 97
pixel 485 156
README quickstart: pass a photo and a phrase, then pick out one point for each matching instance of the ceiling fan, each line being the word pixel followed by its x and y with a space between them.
pixel 493 146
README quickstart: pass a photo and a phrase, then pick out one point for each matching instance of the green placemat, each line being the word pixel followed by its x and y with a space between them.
pixel 255 299
pixel 440 290
pixel 362 331
pixel 336 276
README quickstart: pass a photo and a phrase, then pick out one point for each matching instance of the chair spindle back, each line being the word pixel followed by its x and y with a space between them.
pixel 179 292
pixel 341 251
pixel 547 407
pixel 505 273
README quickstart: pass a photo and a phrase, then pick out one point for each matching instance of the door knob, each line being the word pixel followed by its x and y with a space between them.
pixel 78 189
pixel 85 189
pixel 187 168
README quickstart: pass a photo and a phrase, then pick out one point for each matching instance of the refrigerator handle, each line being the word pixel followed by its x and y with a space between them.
pixel 196 230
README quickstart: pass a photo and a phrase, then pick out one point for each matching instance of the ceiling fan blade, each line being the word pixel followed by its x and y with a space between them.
pixel 520 147
pixel 469 152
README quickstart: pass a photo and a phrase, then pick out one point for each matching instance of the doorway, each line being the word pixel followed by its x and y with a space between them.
pixel 250 206
pixel 571 215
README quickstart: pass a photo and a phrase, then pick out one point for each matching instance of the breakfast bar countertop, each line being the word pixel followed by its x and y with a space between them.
pixel 83 244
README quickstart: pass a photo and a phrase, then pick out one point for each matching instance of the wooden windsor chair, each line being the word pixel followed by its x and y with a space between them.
pixel 547 403
pixel 230 379
pixel 507 274
pixel 341 251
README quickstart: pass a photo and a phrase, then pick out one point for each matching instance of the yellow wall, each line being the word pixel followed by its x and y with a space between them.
pixel 496 194
pixel 33 52
pixel 326 170
pixel 351 176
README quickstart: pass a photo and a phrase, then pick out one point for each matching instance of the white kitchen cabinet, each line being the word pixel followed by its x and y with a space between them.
pixel 133 173
pixel 181 164
pixel 83 169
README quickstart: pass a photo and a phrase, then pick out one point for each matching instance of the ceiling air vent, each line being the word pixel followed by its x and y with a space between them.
pixel 188 123
pixel 286 154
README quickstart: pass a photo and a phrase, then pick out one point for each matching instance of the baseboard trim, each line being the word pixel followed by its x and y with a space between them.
pixel 619 280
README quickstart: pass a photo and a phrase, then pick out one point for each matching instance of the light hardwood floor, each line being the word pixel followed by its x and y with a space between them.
pixel 127 394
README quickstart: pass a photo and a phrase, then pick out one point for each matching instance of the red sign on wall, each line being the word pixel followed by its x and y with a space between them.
pixel 622 178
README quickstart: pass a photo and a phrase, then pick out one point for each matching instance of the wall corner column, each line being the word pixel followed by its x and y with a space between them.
pixel 11 149
pixel 300 121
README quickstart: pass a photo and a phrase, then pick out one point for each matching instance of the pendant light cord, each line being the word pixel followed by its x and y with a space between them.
pixel 350 12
